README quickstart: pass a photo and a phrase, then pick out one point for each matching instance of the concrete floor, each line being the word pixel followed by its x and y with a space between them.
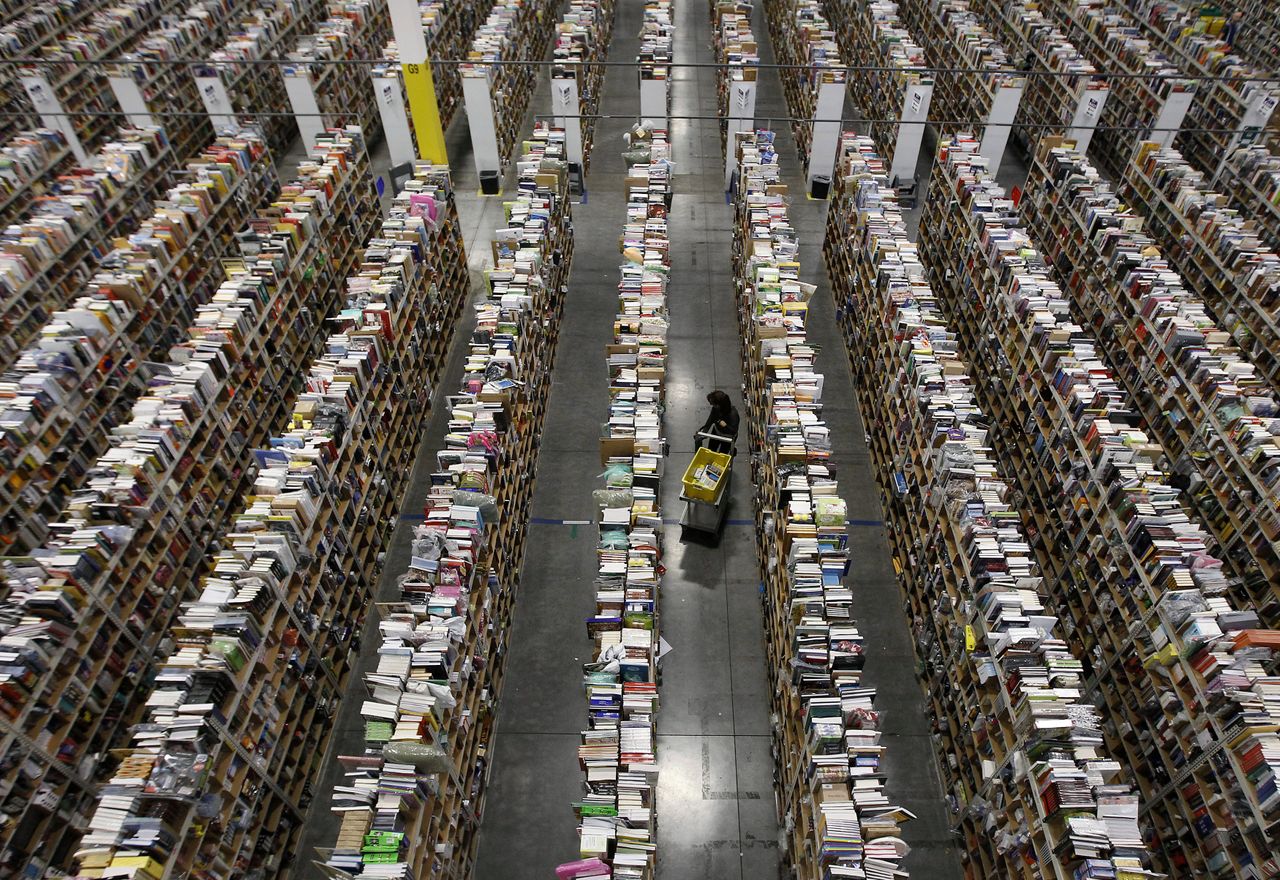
pixel 715 799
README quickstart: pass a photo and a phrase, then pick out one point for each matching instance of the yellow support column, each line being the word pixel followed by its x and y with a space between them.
pixel 419 85
pixel 424 109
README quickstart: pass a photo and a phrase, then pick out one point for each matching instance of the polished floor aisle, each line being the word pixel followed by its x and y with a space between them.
pixel 716 813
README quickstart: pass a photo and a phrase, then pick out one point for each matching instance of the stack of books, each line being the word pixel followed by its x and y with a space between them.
pixel 85 361
pixel 838 819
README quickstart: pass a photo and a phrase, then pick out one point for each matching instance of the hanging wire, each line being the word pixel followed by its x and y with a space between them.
pixel 843 120
pixel 38 62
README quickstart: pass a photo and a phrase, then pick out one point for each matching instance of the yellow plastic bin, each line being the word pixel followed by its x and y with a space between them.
pixel 697 484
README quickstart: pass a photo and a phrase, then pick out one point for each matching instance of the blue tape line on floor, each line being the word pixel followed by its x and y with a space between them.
pixel 670 521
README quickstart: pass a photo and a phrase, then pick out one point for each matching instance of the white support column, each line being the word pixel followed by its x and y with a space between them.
pixel 213 92
pixel 395 118
pixel 1086 117
pixel 565 108
pixel 742 117
pixel 995 135
pixel 1256 115
pixel 480 119
pixel 302 98
pixel 826 135
pixel 1171 116
pixel 653 101
pixel 51 113
pixel 906 150
pixel 130 98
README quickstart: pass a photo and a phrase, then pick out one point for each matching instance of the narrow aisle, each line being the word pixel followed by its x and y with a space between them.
pixel 478 217
pixel 529 827
pixel 715 803
pixel 909 763
pixel 716 814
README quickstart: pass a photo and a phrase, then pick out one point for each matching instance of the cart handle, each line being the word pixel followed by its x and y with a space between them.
pixel 711 436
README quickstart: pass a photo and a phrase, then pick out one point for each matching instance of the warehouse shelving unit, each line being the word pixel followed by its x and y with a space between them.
pixel 1205 400
pixel 480 499
pixel 954 36
pixel 96 596
pixel 449 29
pixel 1213 247
pixel 154 92
pixel 30 164
pixel 1258 39
pixel 1070 104
pixel 990 648
pixel 1227 112
pixel 582 40
pixel 231 85
pixel 82 89
pixel 874 31
pixel 656 33
pixel 255 636
pixel 1148 108
pixel 827 741
pixel 1252 180
pixel 63 410
pixel 355 29
pixel 617 814
pixel 497 95
pixel 735 82
pixel 47 255
pixel 1136 578
pixel 25 28
pixel 801 35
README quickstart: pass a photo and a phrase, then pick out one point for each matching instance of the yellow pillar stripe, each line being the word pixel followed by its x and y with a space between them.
pixel 420 89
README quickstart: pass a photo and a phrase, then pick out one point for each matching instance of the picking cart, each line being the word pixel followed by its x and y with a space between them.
pixel 705 489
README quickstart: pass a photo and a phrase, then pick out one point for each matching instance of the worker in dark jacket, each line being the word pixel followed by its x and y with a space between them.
pixel 722 421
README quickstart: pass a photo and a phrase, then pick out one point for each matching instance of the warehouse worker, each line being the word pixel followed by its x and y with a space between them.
pixel 721 421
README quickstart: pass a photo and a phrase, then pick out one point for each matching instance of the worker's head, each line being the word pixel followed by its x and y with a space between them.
pixel 718 399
